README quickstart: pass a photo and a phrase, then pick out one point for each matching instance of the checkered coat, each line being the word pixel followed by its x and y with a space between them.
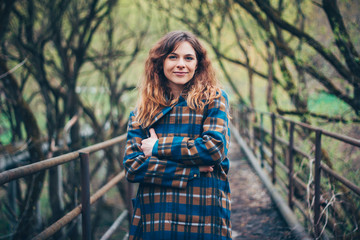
pixel 175 200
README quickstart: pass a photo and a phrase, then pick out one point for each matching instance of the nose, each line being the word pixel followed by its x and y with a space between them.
pixel 181 63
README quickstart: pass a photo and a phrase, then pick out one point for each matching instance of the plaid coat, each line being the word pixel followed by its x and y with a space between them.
pixel 175 200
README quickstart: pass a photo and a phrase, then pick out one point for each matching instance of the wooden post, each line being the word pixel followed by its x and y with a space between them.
pixel 317 184
pixel 85 195
pixel 262 139
pixel 291 165
pixel 273 139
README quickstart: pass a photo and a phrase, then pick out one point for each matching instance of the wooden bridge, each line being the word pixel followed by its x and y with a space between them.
pixel 279 191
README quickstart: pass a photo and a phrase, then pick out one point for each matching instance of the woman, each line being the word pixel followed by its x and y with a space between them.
pixel 177 144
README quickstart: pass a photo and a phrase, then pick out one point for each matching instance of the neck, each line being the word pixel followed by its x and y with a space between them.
pixel 176 93
pixel 176 90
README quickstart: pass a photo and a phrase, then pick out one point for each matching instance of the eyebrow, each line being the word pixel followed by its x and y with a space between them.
pixel 188 54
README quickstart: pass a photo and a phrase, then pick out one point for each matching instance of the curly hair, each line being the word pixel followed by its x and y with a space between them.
pixel 202 89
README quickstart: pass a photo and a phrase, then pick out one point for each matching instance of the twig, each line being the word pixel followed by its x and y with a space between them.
pixel 330 203
pixel 13 69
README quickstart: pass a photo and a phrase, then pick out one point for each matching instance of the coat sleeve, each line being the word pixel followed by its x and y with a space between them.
pixel 209 149
pixel 139 168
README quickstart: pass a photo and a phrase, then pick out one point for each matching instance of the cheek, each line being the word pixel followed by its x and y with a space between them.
pixel 192 72
pixel 168 66
pixel 194 67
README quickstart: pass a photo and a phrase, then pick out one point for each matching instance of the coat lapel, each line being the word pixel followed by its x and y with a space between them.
pixel 165 110
pixel 162 113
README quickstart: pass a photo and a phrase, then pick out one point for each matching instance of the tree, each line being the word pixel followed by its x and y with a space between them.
pixel 58 40
pixel 266 27
pixel 348 71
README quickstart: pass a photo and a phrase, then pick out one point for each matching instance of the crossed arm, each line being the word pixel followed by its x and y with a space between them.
pixel 147 146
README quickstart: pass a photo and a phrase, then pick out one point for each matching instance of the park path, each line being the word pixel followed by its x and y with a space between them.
pixel 253 214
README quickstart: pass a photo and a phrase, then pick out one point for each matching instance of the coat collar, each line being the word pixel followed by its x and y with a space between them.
pixel 165 110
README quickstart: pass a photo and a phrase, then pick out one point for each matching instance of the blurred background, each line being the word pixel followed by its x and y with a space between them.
pixel 69 71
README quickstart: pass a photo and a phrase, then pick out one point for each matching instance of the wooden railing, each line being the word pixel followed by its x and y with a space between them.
pixel 276 156
pixel 86 201
pixel 263 142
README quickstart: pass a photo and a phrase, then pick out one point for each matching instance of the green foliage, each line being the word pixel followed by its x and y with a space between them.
pixel 5 131
pixel 323 102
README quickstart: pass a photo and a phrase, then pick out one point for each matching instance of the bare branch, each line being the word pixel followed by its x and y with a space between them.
pixel 13 69
pixel 330 57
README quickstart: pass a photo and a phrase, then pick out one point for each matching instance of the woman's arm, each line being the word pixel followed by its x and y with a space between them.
pixel 140 168
pixel 209 149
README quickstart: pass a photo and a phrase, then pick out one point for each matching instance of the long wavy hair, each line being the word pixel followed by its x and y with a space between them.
pixel 155 94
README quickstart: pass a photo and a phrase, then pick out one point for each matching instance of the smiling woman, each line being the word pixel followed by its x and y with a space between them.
pixel 177 146
pixel 179 67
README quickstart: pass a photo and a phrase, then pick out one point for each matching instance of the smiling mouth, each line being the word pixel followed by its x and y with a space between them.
pixel 180 73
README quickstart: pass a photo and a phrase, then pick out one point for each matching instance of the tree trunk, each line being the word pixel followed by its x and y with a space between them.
pixel 27 219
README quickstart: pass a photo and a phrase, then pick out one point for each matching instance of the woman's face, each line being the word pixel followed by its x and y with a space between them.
pixel 180 66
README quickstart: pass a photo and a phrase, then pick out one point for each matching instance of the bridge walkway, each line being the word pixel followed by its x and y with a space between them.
pixel 253 214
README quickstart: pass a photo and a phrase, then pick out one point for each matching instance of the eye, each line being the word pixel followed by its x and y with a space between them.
pixel 172 57
pixel 189 58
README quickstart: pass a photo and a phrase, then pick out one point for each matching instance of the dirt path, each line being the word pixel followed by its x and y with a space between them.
pixel 253 214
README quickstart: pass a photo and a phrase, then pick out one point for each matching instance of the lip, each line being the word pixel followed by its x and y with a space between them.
pixel 180 73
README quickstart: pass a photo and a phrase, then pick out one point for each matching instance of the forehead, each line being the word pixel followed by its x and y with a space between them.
pixel 184 48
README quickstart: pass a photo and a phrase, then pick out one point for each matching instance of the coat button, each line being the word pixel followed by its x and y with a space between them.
pixel 195 175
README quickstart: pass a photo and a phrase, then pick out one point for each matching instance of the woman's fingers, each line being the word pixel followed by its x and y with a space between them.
pixel 206 168
pixel 148 143
pixel 153 133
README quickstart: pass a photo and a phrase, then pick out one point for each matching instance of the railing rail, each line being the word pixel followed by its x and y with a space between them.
pixel 51 230
pixel 245 114
pixel 29 169
pixel 86 200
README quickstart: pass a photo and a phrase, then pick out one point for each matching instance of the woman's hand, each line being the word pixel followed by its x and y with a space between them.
pixel 148 143
pixel 206 168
